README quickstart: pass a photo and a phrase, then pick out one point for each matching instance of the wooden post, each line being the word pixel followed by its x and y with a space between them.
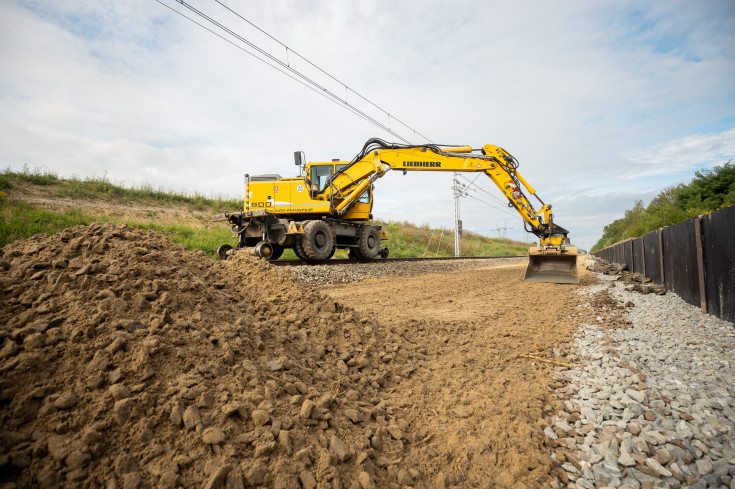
pixel 700 262
pixel 643 255
pixel 661 252
pixel 632 257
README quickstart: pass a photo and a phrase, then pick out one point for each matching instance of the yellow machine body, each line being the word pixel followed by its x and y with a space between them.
pixel 329 206
pixel 293 196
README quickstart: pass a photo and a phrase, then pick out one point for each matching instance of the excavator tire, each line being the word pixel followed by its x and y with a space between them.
pixel 353 254
pixel 368 243
pixel 317 241
pixel 299 250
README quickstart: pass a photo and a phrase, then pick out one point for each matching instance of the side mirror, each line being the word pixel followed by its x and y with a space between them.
pixel 299 158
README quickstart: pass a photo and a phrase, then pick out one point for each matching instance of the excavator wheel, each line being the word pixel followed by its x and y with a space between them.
pixel 384 252
pixel 369 243
pixel 317 240
pixel 353 254
pixel 299 250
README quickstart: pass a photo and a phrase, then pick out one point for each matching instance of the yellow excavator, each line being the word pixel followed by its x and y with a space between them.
pixel 329 206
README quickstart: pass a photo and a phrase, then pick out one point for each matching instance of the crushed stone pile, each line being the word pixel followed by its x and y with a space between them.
pixel 130 362
pixel 637 282
pixel 325 275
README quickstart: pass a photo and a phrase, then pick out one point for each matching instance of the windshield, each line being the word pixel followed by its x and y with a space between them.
pixel 320 174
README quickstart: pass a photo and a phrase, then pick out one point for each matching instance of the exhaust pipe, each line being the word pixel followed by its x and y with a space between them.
pixel 552 265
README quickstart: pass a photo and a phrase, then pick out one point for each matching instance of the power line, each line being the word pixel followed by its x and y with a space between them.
pixel 490 205
pixel 256 57
pixel 281 66
pixel 326 73
pixel 484 190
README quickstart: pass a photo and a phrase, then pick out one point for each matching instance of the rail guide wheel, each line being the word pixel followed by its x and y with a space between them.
pixel 223 251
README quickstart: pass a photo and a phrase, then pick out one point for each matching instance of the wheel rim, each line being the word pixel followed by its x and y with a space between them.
pixel 264 250
pixel 320 240
pixel 222 251
pixel 371 241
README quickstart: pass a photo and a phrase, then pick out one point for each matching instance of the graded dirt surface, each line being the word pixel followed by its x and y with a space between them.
pixel 477 406
pixel 129 362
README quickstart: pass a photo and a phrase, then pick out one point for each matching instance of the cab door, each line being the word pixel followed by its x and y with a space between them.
pixel 362 208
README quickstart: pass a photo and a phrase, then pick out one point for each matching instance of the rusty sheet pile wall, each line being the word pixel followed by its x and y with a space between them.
pixel 695 259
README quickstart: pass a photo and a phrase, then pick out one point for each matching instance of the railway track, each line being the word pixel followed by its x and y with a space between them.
pixel 297 263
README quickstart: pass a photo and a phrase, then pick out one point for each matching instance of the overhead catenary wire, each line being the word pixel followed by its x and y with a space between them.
pixel 254 55
pixel 304 79
pixel 347 88
pixel 483 189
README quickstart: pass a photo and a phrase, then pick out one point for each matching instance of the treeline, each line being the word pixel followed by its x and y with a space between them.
pixel 708 191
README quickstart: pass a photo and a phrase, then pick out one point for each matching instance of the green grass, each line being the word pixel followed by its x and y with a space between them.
pixel 408 240
pixel 20 220
pixel 207 240
pixel 102 188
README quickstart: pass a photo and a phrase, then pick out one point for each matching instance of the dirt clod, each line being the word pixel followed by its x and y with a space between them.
pixel 154 366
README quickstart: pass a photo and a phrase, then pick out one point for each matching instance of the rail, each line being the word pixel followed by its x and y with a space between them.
pixel 283 263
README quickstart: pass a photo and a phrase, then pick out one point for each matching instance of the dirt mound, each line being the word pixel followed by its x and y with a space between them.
pixel 128 361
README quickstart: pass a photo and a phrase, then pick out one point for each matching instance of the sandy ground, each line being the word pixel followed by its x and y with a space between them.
pixel 480 403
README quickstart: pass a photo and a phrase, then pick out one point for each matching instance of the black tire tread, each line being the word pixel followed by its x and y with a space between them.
pixel 310 229
pixel 365 252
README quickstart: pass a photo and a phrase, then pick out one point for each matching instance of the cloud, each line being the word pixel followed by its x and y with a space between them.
pixel 601 103
pixel 684 154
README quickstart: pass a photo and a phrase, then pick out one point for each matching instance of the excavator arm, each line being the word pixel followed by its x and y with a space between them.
pixel 554 260
pixel 378 157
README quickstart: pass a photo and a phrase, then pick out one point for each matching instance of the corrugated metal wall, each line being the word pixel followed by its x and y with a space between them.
pixel 669 256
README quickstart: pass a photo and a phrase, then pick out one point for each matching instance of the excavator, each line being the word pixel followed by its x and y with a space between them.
pixel 329 206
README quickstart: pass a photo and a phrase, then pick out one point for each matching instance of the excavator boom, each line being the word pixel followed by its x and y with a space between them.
pixel 553 261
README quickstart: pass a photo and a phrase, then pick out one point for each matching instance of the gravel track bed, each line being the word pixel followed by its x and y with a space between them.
pixel 321 275
pixel 651 405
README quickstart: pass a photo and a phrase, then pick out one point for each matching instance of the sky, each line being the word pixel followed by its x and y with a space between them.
pixel 602 103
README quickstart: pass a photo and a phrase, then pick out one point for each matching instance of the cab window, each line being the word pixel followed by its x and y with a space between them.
pixel 320 175
pixel 365 198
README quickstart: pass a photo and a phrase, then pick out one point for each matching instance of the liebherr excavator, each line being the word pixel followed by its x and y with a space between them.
pixel 330 204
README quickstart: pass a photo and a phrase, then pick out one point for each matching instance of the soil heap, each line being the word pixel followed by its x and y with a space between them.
pixel 128 361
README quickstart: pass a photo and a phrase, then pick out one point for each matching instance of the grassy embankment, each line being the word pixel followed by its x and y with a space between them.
pixel 33 202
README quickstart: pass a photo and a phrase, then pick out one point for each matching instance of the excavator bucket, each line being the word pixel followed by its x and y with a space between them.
pixel 552 265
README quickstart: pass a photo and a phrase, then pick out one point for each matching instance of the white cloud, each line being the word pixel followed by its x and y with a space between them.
pixel 581 93
pixel 688 153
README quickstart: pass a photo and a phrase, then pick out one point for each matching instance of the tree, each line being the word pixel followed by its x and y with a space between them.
pixel 709 190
